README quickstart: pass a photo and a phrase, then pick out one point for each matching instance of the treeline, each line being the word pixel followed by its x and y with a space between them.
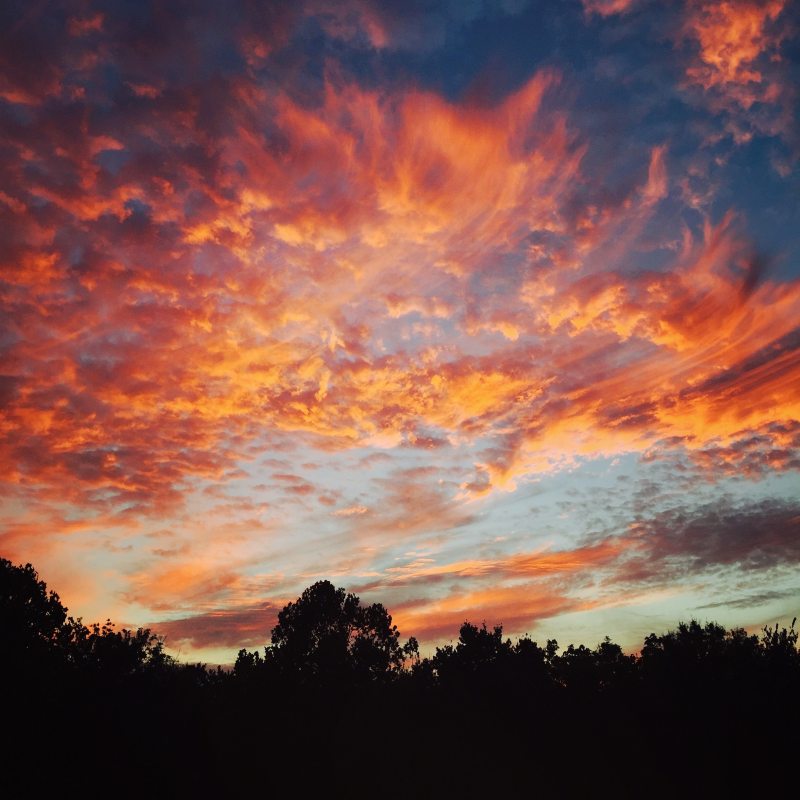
pixel 336 702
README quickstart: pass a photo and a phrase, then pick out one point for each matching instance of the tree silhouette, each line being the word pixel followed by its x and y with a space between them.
pixel 118 653
pixel 479 652
pixel 702 697
pixel 585 670
pixel 327 635
pixel 781 643
pixel 36 631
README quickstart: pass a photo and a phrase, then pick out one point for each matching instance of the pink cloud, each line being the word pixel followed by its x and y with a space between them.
pixel 607 8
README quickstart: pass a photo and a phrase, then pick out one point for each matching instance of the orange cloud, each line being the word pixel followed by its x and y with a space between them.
pixel 732 37
pixel 739 65
pixel 517 608
pixel 187 358
pixel 522 565
pixel 607 8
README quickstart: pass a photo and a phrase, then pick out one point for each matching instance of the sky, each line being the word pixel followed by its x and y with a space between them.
pixel 484 310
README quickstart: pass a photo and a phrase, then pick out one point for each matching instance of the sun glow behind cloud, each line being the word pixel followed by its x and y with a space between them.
pixel 269 321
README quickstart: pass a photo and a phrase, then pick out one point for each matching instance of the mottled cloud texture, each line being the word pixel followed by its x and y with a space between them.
pixel 447 303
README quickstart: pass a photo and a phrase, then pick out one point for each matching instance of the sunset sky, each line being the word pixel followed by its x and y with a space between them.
pixel 484 310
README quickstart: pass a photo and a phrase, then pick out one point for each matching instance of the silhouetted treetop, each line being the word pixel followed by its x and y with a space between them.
pixel 33 621
pixel 326 634
pixel 479 652
pixel 37 632
pixel 119 653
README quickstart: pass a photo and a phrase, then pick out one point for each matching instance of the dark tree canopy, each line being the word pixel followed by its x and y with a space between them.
pixel 326 634
pixel 479 651
pixel 38 634
pixel 706 698
pixel 34 623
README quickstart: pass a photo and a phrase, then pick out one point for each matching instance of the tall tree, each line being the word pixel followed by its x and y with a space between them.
pixel 327 635
pixel 34 624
